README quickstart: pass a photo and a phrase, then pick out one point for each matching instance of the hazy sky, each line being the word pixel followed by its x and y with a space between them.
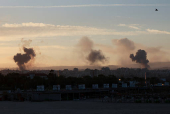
pixel 56 26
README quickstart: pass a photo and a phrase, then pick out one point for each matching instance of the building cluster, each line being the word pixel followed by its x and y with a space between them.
pixel 68 91
pixel 106 71
pixel 163 75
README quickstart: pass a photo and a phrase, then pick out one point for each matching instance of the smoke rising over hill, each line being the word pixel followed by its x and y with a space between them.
pixel 124 44
pixel 141 58
pixel 95 56
pixel 86 50
pixel 22 60
pixel 123 47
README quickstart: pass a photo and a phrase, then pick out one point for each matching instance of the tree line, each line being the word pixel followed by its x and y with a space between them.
pixel 12 81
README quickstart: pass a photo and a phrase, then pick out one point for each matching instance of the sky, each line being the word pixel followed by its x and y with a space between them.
pixel 56 27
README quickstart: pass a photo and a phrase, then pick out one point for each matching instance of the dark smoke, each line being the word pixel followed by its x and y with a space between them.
pixel 95 56
pixel 141 57
pixel 22 59
pixel 29 51
pixel 86 50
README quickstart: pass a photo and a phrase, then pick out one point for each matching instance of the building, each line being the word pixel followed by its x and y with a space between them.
pixel 94 73
pixel 75 69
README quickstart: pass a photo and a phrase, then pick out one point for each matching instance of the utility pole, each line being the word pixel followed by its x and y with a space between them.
pixel 145 79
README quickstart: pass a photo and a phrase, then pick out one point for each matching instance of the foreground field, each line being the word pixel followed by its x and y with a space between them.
pixel 81 107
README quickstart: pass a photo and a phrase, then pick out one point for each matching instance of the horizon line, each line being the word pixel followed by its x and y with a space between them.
pixel 88 5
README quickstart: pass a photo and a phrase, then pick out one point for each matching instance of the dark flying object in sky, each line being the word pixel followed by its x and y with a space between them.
pixel 156 9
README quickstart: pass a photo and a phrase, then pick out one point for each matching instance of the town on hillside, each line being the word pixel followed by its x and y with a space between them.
pixel 120 85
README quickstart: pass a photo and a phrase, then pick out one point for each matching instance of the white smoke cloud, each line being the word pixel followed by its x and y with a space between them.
pixel 87 53
pixel 124 44
pixel 123 47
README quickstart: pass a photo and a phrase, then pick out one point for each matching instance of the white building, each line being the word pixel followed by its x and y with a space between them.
pixel 95 86
pixel 40 88
pixel 114 85
pixel 56 87
pixel 105 85
pixel 68 87
pixel 124 84
pixel 81 86
pixel 166 84
pixel 158 84
pixel 132 83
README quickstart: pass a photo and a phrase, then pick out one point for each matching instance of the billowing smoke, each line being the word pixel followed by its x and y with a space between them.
pixel 26 59
pixel 22 59
pixel 85 44
pixel 96 56
pixel 123 47
pixel 86 50
pixel 141 57
pixel 124 44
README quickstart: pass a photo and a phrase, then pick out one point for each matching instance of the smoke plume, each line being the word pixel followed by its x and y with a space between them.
pixel 26 59
pixel 124 44
pixel 86 50
pixel 85 44
pixel 122 48
pixel 141 57
pixel 95 56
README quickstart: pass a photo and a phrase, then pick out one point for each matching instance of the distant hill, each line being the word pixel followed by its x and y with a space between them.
pixel 156 65
pixel 160 65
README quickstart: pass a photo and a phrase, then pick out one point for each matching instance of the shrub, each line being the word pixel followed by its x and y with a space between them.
pixel 138 101
pixel 148 101
pixel 167 101
pixel 157 101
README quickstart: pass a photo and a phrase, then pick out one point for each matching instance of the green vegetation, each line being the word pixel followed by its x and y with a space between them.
pixel 148 101
pixel 138 101
pixel 14 80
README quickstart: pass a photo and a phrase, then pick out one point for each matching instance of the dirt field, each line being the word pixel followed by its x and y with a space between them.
pixel 81 107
